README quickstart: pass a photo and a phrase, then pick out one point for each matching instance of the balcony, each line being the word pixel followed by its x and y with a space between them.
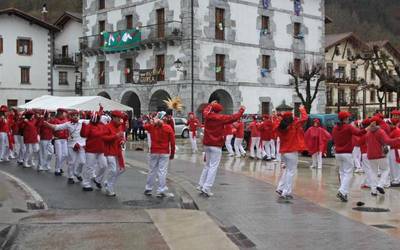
pixel 70 60
pixel 140 38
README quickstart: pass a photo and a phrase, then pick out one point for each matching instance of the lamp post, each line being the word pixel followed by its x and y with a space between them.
pixel 364 89
pixel 78 82
pixel 338 75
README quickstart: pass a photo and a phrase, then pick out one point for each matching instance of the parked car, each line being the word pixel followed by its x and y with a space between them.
pixel 180 127
pixel 328 121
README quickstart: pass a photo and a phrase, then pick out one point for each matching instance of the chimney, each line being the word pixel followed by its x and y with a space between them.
pixel 44 13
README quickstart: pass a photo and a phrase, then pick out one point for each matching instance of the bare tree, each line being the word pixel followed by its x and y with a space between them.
pixel 307 75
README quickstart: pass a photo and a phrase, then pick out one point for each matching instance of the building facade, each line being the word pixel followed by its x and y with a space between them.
pixel 139 52
pixel 25 57
pixel 351 85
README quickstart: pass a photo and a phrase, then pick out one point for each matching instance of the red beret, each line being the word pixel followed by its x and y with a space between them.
pixel 366 122
pixel 317 120
pixel 73 112
pixel 190 113
pixel 376 119
pixel 216 107
pixel 395 112
pixel 29 112
pixel 343 115
pixel 287 114
pixel 117 113
pixel 61 110
pixel 380 115
pixel 394 121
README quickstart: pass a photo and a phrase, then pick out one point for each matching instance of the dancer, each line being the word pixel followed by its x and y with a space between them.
pixel 291 134
pixel 193 123
pixel 213 141
pixel 316 138
pixel 162 148
pixel 342 138
pixel 356 151
pixel 4 131
pixel 362 143
pixel 239 136
pixel 255 139
pixel 228 132
pixel 60 142
pixel 30 139
pixel 394 157
pixel 46 147
pixel 266 130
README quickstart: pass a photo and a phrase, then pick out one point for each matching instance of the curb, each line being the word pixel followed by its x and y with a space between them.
pixel 11 233
pixel 36 201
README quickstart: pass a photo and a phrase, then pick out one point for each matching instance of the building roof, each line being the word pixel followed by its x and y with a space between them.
pixel 66 17
pixel 30 18
pixel 385 44
pixel 335 39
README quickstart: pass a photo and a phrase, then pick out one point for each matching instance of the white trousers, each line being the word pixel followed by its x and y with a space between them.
pixel 93 162
pixel 31 154
pixel 317 160
pixel 228 144
pixel 286 181
pixel 19 147
pixel 213 158
pixel 394 168
pixel 76 159
pixel 193 141
pixel 345 162
pixel 239 147
pixel 44 156
pixel 158 166
pixel 149 141
pixel 61 151
pixel 113 173
pixel 357 157
pixel 367 169
pixel 255 144
pixel 267 148
pixel 4 146
pixel 383 166
pixel 276 148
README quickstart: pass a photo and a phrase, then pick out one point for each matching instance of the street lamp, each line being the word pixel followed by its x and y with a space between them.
pixel 338 75
pixel 78 82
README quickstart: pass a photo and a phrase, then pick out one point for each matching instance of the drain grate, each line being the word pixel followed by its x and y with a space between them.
pixel 383 226
pixel 238 238
pixel 224 184
pixel 371 209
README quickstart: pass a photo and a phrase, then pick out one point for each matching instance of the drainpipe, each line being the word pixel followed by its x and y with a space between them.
pixel 192 54
pixel 52 62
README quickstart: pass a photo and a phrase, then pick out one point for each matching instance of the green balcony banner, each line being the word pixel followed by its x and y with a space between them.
pixel 121 40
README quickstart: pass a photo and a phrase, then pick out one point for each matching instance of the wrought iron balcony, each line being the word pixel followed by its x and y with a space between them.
pixel 60 59
pixel 140 38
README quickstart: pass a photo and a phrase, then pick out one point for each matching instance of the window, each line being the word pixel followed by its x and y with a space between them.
pixel 102 4
pixel 102 27
pixel 297 30
pixel 219 24
pixel 349 54
pixel 160 23
pixel 220 67
pixel 63 78
pixel 353 74
pixel 342 72
pixel 329 70
pixel 129 22
pixel 128 71
pixel 160 67
pixel 353 96
pixel 372 96
pixel 341 97
pixel 24 47
pixel 102 78
pixel 25 75
pixel 297 66
pixel 329 96
pixel 12 103
pixel 265 23
pixel 265 108
pixel 1 44
pixel 390 97
pixel 64 51
pixel 266 62
pixel 179 122
pixel 372 75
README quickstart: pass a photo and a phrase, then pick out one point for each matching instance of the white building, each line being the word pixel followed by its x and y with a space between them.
pixel 25 57
pixel 67 59
pixel 242 51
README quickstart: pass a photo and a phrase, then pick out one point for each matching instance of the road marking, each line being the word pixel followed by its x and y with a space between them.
pixel 30 191
pixel 142 172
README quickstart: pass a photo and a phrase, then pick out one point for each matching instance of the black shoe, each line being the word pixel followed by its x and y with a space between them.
pixel 20 163
pixel 342 197
pixel 374 194
pixel 78 178
pixel 289 197
pixel 380 190
pixel 279 192
pixel 61 171
pixel 87 189
pixel 148 192
pixel 71 181
pixel 57 173
pixel 98 185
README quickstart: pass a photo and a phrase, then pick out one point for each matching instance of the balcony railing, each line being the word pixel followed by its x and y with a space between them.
pixel 72 60
pixel 140 38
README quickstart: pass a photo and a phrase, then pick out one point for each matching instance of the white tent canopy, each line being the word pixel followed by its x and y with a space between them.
pixel 87 103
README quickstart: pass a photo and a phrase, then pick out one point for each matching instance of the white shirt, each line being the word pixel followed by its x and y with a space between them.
pixel 74 132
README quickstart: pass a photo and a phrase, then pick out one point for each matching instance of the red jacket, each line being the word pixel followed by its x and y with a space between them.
pixel 30 131
pixel 113 142
pixel 228 129
pixel 4 125
pixel 292 139
pixel 94 137
pixel 254 129
pixel 316 139
pixel 214 126
pixel 45 132
pixel 362 143
pixel 342 135
pixel 376 139
pixel 266 130
pixel 193 124
pixel 162 138
pixel 61 134
pixel 239 129
pixel 383 125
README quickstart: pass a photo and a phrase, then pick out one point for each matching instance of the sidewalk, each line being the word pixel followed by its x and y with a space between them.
pixel 250 207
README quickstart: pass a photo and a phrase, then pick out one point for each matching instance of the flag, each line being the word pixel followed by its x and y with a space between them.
pixel 266 4
pixel 297 7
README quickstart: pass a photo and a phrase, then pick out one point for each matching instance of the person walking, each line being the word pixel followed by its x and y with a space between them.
pixel 239 136
pixel 291 134
pixel 60 141
pixel 316 138
pixel 266 137
pixel 46 147
pixel 135 129
pixel 4 131
pixel 213 141
pixel 342 138
pixel 394 157
pixel 193 124
pixel 255 139
pixel 31 140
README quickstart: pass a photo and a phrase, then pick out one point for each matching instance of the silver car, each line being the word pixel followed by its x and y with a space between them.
pixel 180 127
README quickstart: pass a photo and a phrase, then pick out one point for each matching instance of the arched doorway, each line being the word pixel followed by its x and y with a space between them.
pixel 104 94
pixel 132 100
pixel 157 101
pixel 224 98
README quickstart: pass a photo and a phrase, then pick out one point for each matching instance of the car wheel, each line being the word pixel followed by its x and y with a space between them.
pixel 185 133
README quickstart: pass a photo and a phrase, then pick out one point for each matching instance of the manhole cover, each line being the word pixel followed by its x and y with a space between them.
pixel 383 226
pixel 371 209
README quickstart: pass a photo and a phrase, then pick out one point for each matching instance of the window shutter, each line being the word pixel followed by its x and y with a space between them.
pixel 30 47
pixel 1 45
pixel 17 46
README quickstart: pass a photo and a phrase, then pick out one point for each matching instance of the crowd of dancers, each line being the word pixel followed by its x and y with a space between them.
pixel 89 146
